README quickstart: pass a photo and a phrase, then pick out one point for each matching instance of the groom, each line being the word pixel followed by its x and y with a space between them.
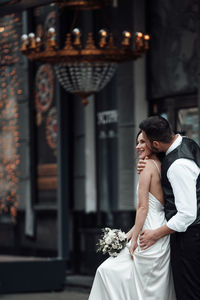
pixel 181 186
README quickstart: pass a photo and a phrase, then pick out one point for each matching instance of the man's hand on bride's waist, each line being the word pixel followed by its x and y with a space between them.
pixel 148 238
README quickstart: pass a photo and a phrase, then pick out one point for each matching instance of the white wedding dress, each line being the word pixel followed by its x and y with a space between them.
pixel 147 277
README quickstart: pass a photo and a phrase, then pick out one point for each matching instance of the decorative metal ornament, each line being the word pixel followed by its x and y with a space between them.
pixel 44 88
pixel 84 70
pixel 82 4
pixel 51 128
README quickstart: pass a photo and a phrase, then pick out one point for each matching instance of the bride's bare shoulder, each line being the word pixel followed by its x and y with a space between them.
pixel 153 165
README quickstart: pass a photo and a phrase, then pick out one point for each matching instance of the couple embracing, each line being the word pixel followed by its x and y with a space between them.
pixel 162 258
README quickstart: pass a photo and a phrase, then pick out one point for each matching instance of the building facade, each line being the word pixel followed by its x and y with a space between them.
pixel 85 156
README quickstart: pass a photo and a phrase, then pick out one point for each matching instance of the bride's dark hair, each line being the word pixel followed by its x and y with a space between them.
pixel 160 155
pixel 136 139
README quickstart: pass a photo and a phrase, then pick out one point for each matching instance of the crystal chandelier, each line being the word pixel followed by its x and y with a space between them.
pixel 84 79
pixel 81 70
pixel 84 71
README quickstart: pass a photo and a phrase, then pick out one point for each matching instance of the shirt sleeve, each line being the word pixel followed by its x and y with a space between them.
pixel 182 175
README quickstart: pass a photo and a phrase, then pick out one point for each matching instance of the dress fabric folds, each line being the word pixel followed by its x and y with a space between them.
pixel 147 276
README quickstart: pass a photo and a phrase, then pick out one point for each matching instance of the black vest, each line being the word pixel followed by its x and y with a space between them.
pixel 187 149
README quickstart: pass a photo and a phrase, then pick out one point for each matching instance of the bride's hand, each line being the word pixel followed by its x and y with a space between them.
pixel 141 164
pixel 133 246
pixel 129 235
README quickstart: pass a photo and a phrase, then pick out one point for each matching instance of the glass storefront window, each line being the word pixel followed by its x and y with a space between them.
pixel 187 122
pixel 164 115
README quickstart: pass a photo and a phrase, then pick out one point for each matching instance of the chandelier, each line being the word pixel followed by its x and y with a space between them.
pixel 84 70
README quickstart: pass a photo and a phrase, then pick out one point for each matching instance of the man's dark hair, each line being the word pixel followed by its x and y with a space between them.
pixel 157 128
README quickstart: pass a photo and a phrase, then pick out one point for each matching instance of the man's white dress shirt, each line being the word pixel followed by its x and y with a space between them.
pixel 182 175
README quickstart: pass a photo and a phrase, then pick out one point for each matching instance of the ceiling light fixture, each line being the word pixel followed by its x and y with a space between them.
pixel 84 70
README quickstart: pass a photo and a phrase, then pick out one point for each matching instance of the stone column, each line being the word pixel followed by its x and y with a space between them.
pixel 90 157
pixel 140 107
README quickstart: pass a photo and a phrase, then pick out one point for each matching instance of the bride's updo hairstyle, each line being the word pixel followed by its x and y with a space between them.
pixel 157 128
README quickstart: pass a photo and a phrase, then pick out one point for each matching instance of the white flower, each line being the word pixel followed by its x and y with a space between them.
pixel 107 229
pixel 112 241
pixel 111 234
pixel 122 236
pixel 108 240
pixel 104 250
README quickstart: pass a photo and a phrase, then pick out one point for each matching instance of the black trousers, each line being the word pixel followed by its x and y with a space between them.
pixel 185 261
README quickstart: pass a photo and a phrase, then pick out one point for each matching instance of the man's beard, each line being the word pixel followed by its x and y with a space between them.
pixel 155 150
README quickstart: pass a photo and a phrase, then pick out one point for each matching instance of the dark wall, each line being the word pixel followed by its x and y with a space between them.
pixel 173 64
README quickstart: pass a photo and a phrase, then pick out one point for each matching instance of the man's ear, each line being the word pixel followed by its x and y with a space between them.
pixel 156 144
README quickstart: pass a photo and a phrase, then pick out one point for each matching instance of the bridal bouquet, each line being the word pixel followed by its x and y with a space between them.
pixel 112 241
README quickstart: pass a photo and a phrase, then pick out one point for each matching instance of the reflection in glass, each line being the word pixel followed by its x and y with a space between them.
pixel 187 122
pixel 164 115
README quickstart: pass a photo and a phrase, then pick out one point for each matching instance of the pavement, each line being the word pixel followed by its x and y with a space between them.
pixel 81 281
pixel 63 295
pixel 77 287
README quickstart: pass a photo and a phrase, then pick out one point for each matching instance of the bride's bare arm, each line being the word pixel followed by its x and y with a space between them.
pixel 143 204
pixel 129 234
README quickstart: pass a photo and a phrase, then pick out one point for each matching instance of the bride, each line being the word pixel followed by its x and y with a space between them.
pixel 137 273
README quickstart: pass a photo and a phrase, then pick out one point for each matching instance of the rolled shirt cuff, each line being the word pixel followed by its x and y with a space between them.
pixel 179 226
